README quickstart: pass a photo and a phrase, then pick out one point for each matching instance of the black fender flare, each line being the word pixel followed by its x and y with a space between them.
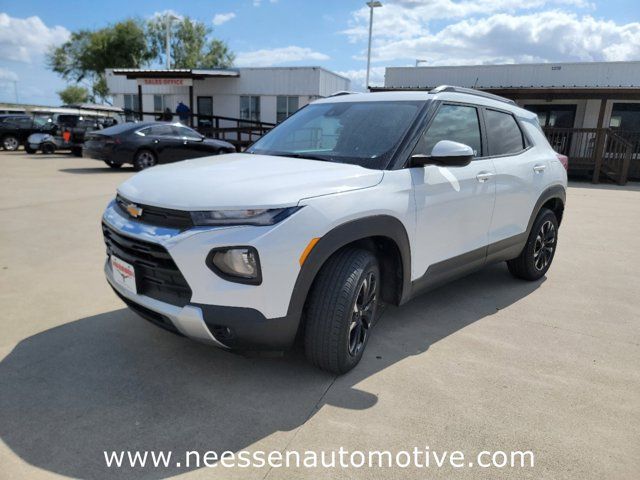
pixel 344 234
pixel 555 191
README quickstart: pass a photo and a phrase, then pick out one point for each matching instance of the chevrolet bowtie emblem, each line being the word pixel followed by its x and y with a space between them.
pixel 134 210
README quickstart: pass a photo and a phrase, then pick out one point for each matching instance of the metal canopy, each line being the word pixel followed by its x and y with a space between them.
pixel 197 74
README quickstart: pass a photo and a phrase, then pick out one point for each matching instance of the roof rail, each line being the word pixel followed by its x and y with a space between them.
pixel 471 91
pixel 342 92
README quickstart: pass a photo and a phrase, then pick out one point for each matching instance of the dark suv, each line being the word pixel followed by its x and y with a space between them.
pixel 15 129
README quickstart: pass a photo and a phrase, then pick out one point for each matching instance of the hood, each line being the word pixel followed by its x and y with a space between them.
pixel 241 180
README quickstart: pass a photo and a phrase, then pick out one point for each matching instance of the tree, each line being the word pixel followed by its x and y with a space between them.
pixel 191 44
pixel 86 55
pixel 74 94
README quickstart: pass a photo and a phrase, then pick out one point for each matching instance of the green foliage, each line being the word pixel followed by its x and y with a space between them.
pixel 134 44
pixel 74 94
pixel 191 45
pixel 87 54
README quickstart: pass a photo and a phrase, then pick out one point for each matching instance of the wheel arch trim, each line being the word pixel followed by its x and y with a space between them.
pixel 345 234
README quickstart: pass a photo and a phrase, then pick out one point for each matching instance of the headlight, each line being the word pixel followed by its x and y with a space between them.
pixel 236 264
pixel 269 216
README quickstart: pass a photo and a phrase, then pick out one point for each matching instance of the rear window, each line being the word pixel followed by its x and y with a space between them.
pixel 504 134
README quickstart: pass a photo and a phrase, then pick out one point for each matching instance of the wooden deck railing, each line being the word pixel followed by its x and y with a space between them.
pixel 237 131
pixel 599 152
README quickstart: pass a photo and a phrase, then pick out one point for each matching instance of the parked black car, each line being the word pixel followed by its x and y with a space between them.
pixel 145 144
pixel 15 129
pixel 68 134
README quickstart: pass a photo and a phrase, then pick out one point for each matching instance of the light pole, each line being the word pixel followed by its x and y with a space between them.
pixel 371 6
pixel 418 61
pixel 168 19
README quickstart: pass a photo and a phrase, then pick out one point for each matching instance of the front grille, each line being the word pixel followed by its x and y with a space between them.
pixel 160 217
pixel 156 318
pixel 157 275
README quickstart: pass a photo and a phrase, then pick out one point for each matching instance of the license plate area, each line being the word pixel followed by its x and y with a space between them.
pixel 124 274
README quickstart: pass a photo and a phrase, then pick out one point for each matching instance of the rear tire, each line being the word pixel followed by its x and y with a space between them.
pixel 77 152
pixel 10 143
pixel 341 310
pixel 537 255
pixel 30 150
pixel 144 159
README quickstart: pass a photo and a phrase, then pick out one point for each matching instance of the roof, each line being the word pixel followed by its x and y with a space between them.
pixel 576 75
pixel 95 106
pixel 424 96
pixel 133 73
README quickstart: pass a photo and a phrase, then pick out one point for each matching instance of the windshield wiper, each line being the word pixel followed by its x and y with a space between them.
pixel 309 156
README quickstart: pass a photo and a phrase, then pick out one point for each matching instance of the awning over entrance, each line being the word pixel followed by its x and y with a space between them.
pixel 180 77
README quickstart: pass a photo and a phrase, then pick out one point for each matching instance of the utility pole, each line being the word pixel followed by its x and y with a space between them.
pixel 169 18
pixel 371 6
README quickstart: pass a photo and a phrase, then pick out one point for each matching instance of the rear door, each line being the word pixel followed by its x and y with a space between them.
pixel 453 204
pixel 521 174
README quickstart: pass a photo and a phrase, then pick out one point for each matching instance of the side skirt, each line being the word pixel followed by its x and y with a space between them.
pixel 462 265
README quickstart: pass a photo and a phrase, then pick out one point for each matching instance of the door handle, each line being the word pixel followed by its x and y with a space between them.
pixel 539 168
pixel 484 176
pixel 185 142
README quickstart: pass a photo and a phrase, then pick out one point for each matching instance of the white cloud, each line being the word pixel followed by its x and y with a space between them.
pixel 257 3
pixel 8 75
pixel 221 18
pixel 358 78
pixel 278 56
pixel 408 18
pixel 505 38
pixel 24 39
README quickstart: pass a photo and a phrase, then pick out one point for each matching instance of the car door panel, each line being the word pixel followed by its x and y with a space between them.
pixel 453 211
pixel 454 205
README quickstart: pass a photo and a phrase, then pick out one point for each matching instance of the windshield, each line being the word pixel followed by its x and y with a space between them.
pixel 361 133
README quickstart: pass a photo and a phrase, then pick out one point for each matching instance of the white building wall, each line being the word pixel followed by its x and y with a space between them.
pixel 585 74
pixel 307 83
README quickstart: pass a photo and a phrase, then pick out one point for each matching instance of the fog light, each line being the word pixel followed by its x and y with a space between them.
pixel 236 264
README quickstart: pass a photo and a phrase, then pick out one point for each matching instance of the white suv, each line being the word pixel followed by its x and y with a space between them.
pixel 356 199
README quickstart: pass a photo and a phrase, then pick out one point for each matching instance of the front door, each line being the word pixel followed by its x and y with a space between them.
pixel 205 110
pixel 453 204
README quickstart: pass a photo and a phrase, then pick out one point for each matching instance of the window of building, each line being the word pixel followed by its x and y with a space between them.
pixel 559 116
pixel 131 102
pixel 161 103
pixel 250 107
pixel 131 106
pixel 625 116
pixel 457 123
pixel 285 107
pixel 504 134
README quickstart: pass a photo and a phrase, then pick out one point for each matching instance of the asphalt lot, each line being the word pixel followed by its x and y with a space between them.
pixel 485 363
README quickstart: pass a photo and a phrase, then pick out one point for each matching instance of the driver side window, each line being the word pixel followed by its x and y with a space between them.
pixel 457 123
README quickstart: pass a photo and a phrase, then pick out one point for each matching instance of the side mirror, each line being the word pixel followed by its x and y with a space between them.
pixel 445 153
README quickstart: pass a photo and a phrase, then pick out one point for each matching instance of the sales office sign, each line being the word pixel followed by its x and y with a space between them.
pixel 174 82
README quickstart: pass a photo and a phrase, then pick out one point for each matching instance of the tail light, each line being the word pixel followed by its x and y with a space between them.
pixel 112 141
pixel 564 160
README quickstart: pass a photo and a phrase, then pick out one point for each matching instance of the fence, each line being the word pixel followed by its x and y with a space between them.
pixel 237 131
pixel 599 152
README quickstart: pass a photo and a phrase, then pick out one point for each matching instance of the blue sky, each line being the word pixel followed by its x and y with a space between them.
pixel 333 33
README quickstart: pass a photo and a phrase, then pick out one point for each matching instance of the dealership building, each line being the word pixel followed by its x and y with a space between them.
pixel 253 94
pixel 590 111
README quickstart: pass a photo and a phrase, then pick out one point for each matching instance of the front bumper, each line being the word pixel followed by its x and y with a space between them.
pixel 188 320
pixel 216 311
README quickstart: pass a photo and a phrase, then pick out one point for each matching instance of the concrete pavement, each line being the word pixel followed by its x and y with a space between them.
pixel 485 363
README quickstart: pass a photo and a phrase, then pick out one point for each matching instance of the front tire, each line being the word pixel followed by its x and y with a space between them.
pixel 341 310
pixel 48 148
pixel 10 143
pixel 113 164
pixel 144 159
pixel 537 255
pixel 30 150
